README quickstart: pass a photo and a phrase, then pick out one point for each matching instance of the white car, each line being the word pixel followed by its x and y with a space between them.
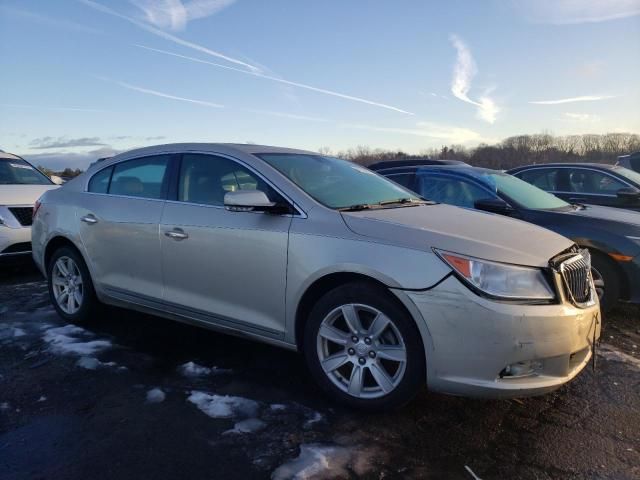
pixel 20 186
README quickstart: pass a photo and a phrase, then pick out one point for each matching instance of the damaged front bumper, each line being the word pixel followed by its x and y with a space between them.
pixel 483 348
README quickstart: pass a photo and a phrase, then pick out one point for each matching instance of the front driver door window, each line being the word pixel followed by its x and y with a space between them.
pixel 453 191
pixel 225 267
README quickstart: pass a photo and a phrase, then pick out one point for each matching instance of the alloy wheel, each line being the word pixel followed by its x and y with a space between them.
pixel 68 288
pixel 361 351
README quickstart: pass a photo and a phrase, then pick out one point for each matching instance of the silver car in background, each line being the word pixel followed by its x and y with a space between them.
pixel 379 289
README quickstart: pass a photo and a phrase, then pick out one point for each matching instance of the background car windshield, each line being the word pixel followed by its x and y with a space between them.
pixel 525 194
pixel 630 174
pixel 19 172
pixel 336 183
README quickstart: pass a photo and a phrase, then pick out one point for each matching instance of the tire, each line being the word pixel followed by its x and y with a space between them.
pixel 390 376
pixel 605 276
pixel 85 303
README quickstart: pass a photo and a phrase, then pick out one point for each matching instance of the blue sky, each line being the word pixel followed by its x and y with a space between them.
pixel 84 78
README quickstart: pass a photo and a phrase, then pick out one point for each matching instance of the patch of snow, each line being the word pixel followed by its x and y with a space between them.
pixel 615 355
pixel 69 340
pixel 4 406
pixel 18 332
pixel 317 461
pixel 249 425
pixel 155 395
pixel 42 399
pixel 191 369
pixel 315 417
pixel 223 406
pixel 278 407
pixel 92 363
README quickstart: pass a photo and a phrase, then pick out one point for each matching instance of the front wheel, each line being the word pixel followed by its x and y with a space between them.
pixel 363 349
pixel 70 286
pixel 606 281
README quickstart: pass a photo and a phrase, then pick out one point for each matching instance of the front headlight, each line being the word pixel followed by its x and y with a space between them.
pixel 500 280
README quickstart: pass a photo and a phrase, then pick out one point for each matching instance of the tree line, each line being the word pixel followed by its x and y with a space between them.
pixel 513 151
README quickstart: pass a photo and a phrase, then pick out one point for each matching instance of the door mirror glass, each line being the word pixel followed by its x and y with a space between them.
pixel 628 193
pixel 493 205
pixel 248 201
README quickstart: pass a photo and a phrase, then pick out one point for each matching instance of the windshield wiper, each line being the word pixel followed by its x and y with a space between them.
pixel 404 201
pixel 356 208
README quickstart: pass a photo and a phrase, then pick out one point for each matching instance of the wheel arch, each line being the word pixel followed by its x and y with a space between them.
pixel 54 244
pixel 625 291
pixel 329 281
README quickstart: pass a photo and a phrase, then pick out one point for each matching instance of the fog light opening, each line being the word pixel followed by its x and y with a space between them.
pixel 521 369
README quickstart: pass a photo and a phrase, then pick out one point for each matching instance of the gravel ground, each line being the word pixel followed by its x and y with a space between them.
pixel 136 396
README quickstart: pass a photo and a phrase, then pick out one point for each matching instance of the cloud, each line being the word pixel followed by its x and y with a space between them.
pixel 45 20
pixel 174 14
pixel 582 117
pixel 167 36
pixel 563 12
pixel 57 160
pixel 585 98
pixel 166 95
pixel 463 72
pixel 428 130
pixel 63 142
pixel 281 80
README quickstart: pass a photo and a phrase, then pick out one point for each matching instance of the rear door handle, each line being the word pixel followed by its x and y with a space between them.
pixel 176 234
pixel 90 219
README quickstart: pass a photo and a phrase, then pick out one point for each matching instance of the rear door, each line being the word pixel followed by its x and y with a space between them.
pixel 220 266
pixel 119 220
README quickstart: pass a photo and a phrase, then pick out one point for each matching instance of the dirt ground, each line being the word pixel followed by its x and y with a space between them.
pixel 136 396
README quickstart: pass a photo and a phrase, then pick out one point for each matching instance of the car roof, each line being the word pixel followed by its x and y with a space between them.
pixel 219 148
pixel 9 156
pixel 605 166
pixel 388 164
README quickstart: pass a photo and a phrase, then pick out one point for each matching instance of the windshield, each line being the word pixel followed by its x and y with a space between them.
pixel 19 172
pixel 629 174
pixel 523 193
pixel 336 183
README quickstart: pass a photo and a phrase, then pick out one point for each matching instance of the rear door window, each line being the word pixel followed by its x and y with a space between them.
pixel 142 177
pixel 582 180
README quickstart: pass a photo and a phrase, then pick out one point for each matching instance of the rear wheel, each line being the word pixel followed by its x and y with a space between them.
pixel 70 286
pixel 363 348
pixel 606 281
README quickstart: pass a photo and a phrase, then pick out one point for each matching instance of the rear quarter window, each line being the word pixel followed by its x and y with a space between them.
pixel 99 183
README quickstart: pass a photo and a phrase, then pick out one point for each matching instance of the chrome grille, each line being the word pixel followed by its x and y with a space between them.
pixel 576 275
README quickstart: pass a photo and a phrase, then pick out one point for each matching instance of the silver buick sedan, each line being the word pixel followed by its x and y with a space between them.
pixel 379 289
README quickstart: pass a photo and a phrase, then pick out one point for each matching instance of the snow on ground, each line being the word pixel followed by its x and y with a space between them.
pixel 42 399
pixel 249 425
pixel 278 407
pixel 312 418
pixel 317 461
pixel 191 369
pixel 92 363
pixel 5 406
pixel 71 339
pixel 611 353
pixel 224 406
pixel 155 395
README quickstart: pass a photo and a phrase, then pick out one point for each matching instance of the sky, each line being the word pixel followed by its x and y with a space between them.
pixel 83 79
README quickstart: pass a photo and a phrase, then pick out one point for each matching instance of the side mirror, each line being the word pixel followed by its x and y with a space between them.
pixel 248 201
pixel 629 194
pixel 493 205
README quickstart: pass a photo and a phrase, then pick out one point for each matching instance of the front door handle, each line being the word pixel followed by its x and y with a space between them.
pixel 90 219
pixel 176 234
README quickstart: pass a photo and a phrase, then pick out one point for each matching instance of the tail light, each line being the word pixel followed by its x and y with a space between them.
pixel 36 207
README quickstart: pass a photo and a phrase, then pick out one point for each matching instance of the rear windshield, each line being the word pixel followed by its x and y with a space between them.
pixel 19 172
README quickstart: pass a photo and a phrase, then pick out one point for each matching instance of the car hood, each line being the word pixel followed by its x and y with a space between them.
pixel 459 230
pixel 22 194
pixel 609 213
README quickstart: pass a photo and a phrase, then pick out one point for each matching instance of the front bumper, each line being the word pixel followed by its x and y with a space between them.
pixel 15 243
pixel 473 340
